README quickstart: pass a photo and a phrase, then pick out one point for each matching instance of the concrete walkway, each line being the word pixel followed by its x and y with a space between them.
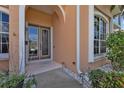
pixel 41 67
pixel 56 79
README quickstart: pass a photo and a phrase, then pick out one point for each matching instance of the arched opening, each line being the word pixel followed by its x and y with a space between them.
pixel 49 9
pixel 39 32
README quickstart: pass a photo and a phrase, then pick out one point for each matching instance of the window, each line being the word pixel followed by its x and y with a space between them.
pixel 99 36
pixel 117 20
pixel 4 33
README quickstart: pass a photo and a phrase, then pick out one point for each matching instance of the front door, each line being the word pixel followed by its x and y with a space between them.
pixel 45 43
pixel 38 43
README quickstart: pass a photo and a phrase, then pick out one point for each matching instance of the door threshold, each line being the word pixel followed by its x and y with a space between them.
pixel 39 61
pixel 38 68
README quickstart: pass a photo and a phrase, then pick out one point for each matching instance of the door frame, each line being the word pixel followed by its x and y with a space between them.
pixel 51 46
pixel 41 55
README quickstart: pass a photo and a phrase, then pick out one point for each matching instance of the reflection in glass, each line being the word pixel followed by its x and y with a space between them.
pixel 33 41
pixel 5 27
pixel 5 17
pixel 5 38
pixel 38 43
pixel 45 42
pixel 5 48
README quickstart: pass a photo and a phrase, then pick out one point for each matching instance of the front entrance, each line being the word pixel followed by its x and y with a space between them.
pixel 38 43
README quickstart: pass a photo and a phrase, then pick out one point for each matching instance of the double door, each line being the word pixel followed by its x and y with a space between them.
pixel 38 43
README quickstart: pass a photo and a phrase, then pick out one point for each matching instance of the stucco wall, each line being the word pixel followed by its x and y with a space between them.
pixel 4 65
pixel 14 39
pixel 64 38
pixel 36 17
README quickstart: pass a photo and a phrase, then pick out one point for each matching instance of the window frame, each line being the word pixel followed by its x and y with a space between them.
pixel 103 17
pixel 4 56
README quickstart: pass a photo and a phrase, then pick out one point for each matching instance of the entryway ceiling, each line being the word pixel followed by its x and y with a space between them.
pixel 45 8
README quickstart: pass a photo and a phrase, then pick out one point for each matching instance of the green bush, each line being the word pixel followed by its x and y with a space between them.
pixel 101 79
pixel 12 81
pixel 95 76
pixel 30 82
pixel 115 53
pixel 16 81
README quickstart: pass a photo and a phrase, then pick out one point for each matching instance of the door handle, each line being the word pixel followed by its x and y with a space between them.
pixel 26 42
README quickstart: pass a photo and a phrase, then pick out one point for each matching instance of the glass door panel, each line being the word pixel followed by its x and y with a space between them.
pixel 45 40
pixel 33 42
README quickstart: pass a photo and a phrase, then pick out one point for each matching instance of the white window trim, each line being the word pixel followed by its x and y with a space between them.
pixel 4 56
pixel 97 13
pixel 103 55
pixel 93 12
pixel 91 35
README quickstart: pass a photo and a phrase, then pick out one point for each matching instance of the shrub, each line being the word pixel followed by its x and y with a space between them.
pixel 115 53
pixel 101 79
pixel 12 81
pixel 95 76
pixel 15 81
pixel 30 82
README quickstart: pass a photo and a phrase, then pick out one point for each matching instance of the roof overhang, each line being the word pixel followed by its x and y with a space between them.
pixel 116 11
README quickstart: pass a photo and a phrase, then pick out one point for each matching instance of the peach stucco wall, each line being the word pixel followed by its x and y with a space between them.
pixel 4 65
pixel 64 38
pixel 36 17
pixel 14 39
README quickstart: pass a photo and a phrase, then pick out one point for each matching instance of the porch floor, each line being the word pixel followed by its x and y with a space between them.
pixel 56 79
pixel 40 67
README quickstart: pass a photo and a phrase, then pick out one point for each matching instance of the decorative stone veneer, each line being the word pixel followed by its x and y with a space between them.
pixel 84 78
pixel 72 74
pixel 26 81
pixel 106 68
pixel 86 81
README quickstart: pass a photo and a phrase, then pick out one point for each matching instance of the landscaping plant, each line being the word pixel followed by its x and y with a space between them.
pixel 15 81
pixel 115 47
pixel 12 81
pixel 101 79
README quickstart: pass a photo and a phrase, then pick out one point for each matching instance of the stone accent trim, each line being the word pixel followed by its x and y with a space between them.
pixel 72 74
pixel 84 78
pixel 106 68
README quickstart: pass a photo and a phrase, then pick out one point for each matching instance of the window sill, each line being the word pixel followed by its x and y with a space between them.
pixel 100 57
pixel 4 56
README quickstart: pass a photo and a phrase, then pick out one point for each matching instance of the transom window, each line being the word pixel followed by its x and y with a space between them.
pixel 99 36
pixel 4 33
